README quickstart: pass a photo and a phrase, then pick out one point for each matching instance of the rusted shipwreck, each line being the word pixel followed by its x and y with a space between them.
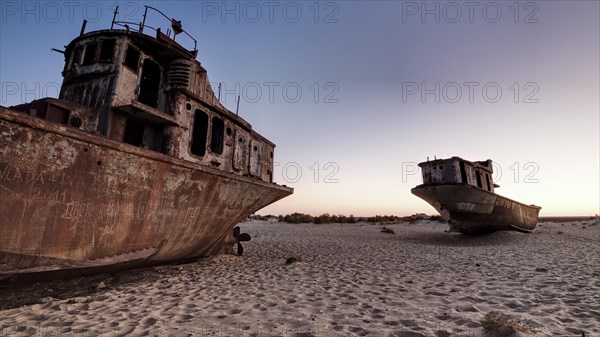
pixel 135 163
pixel 463 193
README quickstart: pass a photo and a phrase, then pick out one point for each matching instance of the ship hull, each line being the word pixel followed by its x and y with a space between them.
pixel 71 200
pixel 470 210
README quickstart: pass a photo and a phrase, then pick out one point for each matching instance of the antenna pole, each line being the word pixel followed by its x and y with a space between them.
pixel 238 106
pixel 144 20
pixel 219 92
pixel 83 27
pixel 114 16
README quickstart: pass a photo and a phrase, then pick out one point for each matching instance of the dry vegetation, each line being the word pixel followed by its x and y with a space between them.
pixel 496 324
pixel 327 218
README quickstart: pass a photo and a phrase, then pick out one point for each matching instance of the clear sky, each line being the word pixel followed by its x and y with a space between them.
pixel 356 93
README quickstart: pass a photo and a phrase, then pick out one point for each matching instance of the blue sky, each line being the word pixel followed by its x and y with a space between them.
pixel 355 93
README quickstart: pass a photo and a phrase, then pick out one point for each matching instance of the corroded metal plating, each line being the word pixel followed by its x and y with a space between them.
pixel 463 192
pixel 113 171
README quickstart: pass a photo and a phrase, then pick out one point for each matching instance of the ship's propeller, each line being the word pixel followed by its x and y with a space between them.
pixel 240 237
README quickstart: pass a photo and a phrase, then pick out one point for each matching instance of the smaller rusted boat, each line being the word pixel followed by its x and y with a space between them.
pixel 463 193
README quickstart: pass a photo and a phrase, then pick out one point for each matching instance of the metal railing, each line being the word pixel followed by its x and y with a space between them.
pixel 176 27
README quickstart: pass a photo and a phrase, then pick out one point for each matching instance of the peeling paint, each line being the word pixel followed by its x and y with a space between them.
pixel 463 192
pixel 106 173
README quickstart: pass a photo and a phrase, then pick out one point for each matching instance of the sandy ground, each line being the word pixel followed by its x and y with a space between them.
pixel 352 280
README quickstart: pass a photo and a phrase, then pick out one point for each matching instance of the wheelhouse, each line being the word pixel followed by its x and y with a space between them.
pixel 150 92
pixel 456 170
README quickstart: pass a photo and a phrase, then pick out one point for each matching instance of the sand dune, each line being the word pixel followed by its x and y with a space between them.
pixel 346 280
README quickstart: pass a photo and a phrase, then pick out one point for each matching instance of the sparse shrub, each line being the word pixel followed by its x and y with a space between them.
pixel 293 259
pixel 496 324
pixel 387 230
pixel 321 219
pixel 298 218
pixel 437 218
pixel 383 218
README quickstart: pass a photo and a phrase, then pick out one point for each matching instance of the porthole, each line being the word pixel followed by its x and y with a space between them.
pixel 255 148
pixel 188 106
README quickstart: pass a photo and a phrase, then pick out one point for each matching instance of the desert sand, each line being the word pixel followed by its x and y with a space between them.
pixel 339 280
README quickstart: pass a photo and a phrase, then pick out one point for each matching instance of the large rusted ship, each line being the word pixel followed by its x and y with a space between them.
pixel 135 163
pixel 463 193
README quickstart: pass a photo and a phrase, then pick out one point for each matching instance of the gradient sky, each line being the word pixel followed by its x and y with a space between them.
pixel 356 93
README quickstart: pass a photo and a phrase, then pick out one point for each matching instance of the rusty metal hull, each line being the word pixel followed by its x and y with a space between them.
pixel 69 199
pixel 471 210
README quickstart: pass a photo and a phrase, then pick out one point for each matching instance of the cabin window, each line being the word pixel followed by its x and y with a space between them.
pixel 478 178
pixel 75 121
pixel 77 55
pixel 487 180
pixel 134 133
pixel 200 132
pixel 132 58
pixel 90 53
pixel 463 173
pixel 216 138
pixel 57 114
pixel 150 83
pixel 107 50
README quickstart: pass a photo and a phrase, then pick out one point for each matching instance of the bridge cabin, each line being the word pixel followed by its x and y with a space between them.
pixel 151 92
pixel 456 170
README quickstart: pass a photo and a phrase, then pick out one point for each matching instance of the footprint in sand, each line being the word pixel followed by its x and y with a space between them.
pixel 147 322
pixel 65 330
pixel 183 318
pixel 405 333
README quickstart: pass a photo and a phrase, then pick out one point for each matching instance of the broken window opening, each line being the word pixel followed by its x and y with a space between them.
pixel 90 53
pixel 77 55
pixel 200 132
pixel 478 178
pixel 132 58
pixel 56 114
pixel 463 173
pixel 217 135
pixel 107 50
pixel 149 84
pixel 487 180
pixel 134 132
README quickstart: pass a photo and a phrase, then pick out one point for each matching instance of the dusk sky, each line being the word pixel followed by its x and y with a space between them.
pixel 356 93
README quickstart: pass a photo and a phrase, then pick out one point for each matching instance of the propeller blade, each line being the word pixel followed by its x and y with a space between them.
pixel 244 237
pixel 240 249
